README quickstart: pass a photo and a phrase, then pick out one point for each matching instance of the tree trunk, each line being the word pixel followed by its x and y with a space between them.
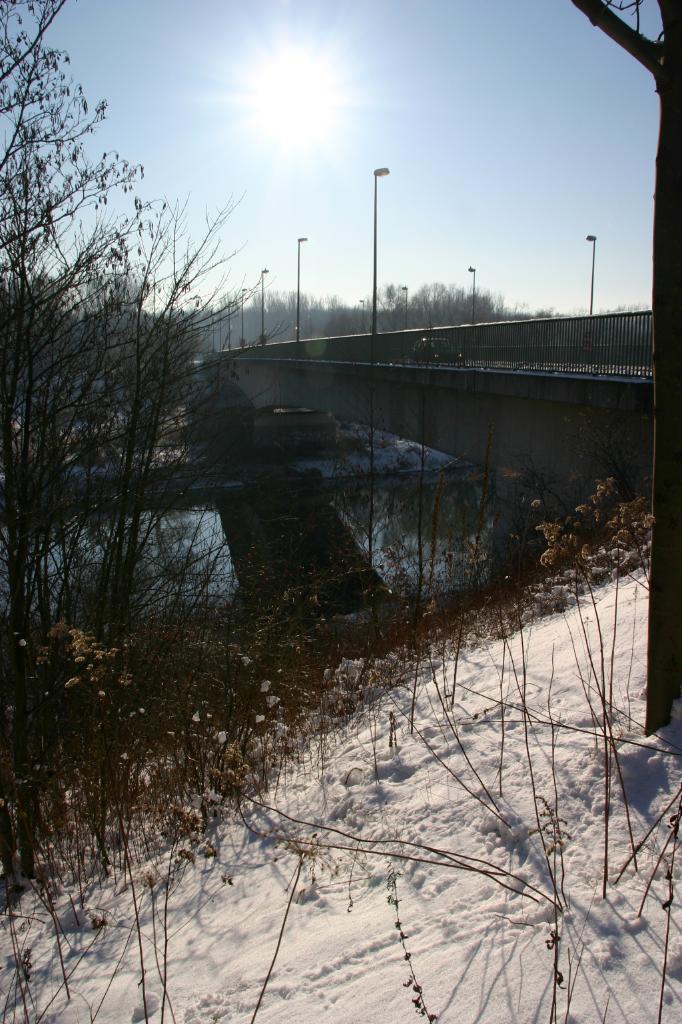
pixel 7 841
pixel 665 629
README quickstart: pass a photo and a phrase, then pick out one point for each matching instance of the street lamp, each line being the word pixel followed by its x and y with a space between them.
pixel 593 239
pixel 362 325
pixel 472 270
pixel 263 272
pixel 380 172
pixel 242 340
pixel 298 291
pixel 404 291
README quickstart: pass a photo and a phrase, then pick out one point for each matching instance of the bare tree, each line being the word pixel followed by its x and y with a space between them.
pixel 46 181
pixel 99 324
pixel 662 57
pixel 155 329
pixel 431 305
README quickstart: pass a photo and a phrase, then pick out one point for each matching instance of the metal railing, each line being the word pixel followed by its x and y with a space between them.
pixel 612 344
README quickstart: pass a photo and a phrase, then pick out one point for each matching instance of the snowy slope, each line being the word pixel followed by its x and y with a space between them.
pixel 444 819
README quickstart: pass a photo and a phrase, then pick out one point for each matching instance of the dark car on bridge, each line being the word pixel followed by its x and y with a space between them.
pixel 437 349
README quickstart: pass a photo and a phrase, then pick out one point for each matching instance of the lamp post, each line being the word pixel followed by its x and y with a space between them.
pixel 263 272
pixel 298 291
pixel 472 270
pixel 404 291
pixel 242 340
pixel 380 172
pixel 593 239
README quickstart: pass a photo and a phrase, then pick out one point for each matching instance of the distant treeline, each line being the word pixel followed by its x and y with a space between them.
pixel 432 305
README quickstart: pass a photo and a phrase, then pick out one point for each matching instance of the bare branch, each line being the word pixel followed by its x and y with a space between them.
pixel 646 51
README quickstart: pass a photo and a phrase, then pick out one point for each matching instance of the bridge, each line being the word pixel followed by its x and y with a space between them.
pixel 564 399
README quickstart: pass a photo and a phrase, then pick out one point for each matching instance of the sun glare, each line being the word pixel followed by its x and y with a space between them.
pixel 294 97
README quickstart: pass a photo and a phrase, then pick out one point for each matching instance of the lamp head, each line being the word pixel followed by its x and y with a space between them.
pixel 590 238
pixel 265 271
pixel 472 270
pixel 404 288
pixel 302 240
pixel 381 172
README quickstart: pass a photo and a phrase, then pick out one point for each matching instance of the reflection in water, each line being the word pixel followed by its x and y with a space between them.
pixel 291 545
pixel 181 561
pixel 425 541
pixel 431 535
pixel 188 552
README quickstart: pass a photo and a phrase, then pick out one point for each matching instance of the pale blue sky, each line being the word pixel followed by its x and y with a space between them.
pixel 511 128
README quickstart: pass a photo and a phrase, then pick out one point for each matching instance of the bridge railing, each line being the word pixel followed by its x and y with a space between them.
pixel 614 344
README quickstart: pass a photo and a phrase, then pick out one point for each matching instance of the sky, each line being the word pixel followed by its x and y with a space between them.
pixel 511 128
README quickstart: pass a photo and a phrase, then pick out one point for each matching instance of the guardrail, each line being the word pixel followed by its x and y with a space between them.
pixel 611 344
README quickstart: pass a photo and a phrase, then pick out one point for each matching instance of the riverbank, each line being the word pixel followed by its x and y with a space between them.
pixel 456 835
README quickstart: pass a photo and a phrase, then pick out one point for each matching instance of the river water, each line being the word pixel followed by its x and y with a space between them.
pixel 431 535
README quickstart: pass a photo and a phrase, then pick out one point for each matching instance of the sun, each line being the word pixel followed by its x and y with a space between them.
pixel 294 97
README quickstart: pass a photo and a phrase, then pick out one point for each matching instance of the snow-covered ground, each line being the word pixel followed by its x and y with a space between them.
pixel 499 893
pixel 393 455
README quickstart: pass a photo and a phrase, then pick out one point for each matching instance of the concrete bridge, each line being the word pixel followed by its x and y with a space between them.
pixel 565 400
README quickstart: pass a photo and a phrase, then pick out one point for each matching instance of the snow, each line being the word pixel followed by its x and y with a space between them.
pixel 393 456
pixel 443 819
